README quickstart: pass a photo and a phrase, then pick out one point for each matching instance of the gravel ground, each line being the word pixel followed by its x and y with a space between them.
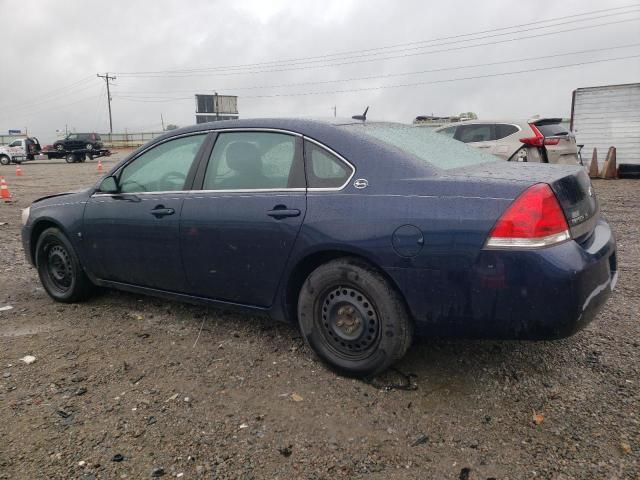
pixel 124 386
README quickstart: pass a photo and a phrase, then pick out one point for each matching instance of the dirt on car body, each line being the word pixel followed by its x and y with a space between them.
pixel 125 386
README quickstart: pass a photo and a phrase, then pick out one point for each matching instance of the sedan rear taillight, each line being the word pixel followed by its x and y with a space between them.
pixel 538 139
pixel 534 220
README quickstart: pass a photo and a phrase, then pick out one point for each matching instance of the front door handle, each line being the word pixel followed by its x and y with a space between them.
pixel 160 211
pixel 281 211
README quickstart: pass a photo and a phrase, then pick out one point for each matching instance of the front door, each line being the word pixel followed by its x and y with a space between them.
pixel 132 236
pixel 237 233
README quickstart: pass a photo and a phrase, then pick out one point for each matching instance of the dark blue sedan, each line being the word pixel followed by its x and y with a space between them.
pixel 366 234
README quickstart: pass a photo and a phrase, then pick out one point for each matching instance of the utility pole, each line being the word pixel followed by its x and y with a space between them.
pixel 107 78
pixel 162 121
pixel 335 110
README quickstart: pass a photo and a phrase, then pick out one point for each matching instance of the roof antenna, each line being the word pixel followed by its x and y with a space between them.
pixel 362 117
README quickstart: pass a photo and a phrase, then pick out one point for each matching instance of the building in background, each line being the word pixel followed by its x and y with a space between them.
pixel 210 108
pixel 434 121
pixel 608 116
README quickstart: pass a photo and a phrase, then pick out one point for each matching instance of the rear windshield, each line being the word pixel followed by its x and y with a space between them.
pixel 425 144
pixel 551 129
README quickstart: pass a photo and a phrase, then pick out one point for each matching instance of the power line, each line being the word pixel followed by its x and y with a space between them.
pixel 34 98
pixel 415 84
pixel 405 55
pixel 33 107
pixel 154 94
pixel 303 61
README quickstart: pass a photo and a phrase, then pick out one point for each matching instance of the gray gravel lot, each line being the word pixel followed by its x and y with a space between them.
pixel 125 385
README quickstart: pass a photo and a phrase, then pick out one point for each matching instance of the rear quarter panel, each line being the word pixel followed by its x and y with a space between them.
pixel 453 219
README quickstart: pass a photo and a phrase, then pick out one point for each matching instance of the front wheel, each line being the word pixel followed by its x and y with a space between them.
pixel 353 318
pixel 59 268
pixel 4 160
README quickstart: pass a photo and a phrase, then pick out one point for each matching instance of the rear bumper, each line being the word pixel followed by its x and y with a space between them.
pixel 542 294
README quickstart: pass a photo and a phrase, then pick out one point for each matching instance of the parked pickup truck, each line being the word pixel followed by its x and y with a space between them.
pixel 19 150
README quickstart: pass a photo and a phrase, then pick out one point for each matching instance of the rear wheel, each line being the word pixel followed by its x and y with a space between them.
pixel 60 147
pixel 59 268
pixel 353 318
pixel 71 158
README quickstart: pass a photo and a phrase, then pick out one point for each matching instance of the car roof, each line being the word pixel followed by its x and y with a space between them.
pixel 519 122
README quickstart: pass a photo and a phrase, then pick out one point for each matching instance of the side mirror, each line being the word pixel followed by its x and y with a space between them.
pixel 109 185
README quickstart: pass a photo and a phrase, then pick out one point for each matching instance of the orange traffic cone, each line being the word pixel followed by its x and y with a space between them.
pixel 99 165
pixel 4 190
pixel 18 170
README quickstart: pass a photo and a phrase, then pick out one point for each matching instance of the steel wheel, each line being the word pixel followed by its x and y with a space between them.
pixel 60 147
pixel 88 146
pixel 353 318
pixel 349 322
pixel 59 267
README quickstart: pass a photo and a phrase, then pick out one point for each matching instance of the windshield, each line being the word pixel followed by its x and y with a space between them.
pixel 425 144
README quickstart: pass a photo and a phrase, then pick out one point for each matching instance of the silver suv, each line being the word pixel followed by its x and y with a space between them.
pixel 544 140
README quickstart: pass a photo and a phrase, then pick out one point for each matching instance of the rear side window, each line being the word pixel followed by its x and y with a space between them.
pixel 504 130
pixel 475 133
pixel 324 170
pixel 552 129
pixel 254 161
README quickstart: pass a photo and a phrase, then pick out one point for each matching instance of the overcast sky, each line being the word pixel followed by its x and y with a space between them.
pixel 52 51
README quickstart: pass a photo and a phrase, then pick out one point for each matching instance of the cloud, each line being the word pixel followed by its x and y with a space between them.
pixel 56 48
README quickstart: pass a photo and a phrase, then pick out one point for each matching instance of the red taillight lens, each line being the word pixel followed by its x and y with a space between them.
pixel 535 219
pixel 538 139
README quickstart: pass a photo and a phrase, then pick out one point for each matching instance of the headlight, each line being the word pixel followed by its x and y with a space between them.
pixel 25 215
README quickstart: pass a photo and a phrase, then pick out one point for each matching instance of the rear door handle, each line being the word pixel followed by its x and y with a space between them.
pixel 160 211
pixel 280 211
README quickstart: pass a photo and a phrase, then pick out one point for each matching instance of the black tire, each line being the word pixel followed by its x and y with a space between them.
pixel 60 147
pixel 59 268
pixel 4 160
pixel 71 158
pixel 353 319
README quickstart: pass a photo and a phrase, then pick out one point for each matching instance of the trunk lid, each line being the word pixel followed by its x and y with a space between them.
pixel 578 201
pixel 571 185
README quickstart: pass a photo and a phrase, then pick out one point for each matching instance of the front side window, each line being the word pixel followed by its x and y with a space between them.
pixel 164 168
pixel 324 170
pixel 15 143
pixel 72 136
pixel 474 133
pixel 254 161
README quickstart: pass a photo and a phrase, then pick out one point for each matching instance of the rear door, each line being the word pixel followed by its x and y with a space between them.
pixel 479 135
pixel 506 143
pixel 559 142
pixel 237 233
